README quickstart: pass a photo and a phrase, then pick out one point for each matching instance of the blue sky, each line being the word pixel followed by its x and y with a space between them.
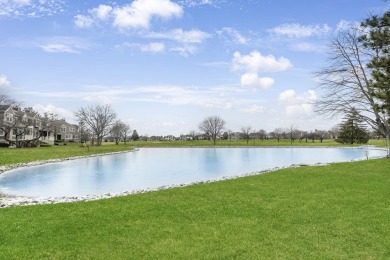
pixel 165 65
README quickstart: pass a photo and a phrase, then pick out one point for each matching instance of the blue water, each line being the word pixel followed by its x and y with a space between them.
pixel 156 167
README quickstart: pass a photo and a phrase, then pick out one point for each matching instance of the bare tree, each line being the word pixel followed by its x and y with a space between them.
pixel 192 133
pixel 347 83
pixel 7 100
pixel 245 133
pixel 120 131
pixel 291 133
pixel 212 126
pixel 98 118
pixel 278 132
pixel 230 133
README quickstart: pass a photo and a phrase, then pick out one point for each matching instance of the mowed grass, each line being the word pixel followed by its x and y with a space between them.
pixel 340 211
pixel 13 156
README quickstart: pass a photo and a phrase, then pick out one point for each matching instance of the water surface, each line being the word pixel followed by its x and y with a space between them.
pixel 156 167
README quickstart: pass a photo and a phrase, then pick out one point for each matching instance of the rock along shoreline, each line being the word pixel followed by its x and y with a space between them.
pixel 7 200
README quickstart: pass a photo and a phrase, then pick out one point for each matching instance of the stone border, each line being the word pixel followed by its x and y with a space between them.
pixel 12 201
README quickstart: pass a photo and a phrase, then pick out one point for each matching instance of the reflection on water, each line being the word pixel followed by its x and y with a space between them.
pixel 155 167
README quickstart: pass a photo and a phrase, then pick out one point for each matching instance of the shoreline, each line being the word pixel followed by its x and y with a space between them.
pixel 7 200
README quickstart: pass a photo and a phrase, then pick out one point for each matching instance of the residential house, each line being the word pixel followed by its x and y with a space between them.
pixel 19 127
pixel 27 128
pixel 64 131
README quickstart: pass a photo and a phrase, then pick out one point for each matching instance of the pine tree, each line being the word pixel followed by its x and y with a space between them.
pixel 378 40
pixel 352 130
pixel 135 136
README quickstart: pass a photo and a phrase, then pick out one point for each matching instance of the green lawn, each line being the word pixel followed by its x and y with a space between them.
pixel 12 156
pixel 340 211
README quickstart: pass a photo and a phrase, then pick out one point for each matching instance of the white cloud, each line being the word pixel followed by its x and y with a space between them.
pixel 140 12
pixel 254 109
pixel 297 104
pixel 192 36
pixel 83 21
pixel 30 8
pixel 184 42
pixel 58 48
pixel 153 47
pixel 4 82
pixel 63 44
pixel 185 50
pixel 230 35
pixel 309 47
pixel 60 112
pixel 345 25
pixel 102 12
pixel 137 15
pixel 256 62
pixel 253 80
pixel 295 110
pixel 253 64
pixel 298 31
pixel 194 3
pixel 291 97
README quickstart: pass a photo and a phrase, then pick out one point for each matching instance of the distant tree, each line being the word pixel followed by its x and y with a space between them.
pixel 225 135
pixel 334 131
pixel 135 136
pixel 119 131
pixel 278 133
pixel 85 132
pixel 245 133
pixel 98 118
pixel 312 136
pixel 291 133
pixel 352 130
pixel 230 134
pixel 212 126
pixel 192 134
pixel 262 134
pixel 8 101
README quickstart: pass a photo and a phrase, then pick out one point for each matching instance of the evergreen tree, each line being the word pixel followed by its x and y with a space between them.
pixel 378 40
pixel 352 130
pixel 135 136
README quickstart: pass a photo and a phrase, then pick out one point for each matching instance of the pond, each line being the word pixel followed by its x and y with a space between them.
pixel 150 168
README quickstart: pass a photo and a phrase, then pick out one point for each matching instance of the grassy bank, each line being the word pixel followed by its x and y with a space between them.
pixel 12 156
pixel 339 211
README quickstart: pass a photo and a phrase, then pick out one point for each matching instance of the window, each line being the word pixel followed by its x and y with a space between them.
pixel 63 129
pixel 1 132
pixel 72 129
pixel 75 137
pixel 8 117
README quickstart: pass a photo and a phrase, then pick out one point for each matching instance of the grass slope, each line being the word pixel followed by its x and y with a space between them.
pixel 13 156
pixel 339 211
